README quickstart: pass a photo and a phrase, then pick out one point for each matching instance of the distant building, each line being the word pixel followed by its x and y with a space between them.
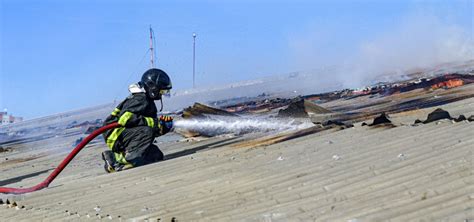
pixel 6 119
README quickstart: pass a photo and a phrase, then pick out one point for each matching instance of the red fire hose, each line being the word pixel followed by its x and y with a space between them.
pixel 61 166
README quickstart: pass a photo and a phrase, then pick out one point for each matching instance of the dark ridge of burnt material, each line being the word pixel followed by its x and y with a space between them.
pixel 461 118
pixel 300 108
pixel 382 119
pixel 4 149
pixel 471 118
pixel 440 114
pixel 436 115
pixel 199 110
pixel 337 123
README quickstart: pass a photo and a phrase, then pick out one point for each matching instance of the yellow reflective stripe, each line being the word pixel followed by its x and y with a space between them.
pixel 115 112
pixel 113 136
pixel 124 118
pixel 119 157
pixel 150 122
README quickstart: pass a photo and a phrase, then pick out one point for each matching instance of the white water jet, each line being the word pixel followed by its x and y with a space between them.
pixel 242 125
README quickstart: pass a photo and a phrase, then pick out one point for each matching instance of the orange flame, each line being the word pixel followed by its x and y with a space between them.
pixel 448 84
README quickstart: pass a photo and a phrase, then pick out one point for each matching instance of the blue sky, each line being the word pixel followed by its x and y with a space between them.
pixel 63 55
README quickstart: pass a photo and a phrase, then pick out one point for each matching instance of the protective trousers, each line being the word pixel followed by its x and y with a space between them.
pixel 137 146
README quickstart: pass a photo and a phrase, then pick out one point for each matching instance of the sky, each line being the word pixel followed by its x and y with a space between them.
pixel 57 56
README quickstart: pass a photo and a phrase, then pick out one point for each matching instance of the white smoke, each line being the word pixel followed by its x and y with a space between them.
pixel 414 43
pixel 417 43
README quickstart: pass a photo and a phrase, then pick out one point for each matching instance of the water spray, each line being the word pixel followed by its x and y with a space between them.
pixel 238 126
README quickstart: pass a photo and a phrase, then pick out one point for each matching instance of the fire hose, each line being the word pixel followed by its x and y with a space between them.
pixel 62 165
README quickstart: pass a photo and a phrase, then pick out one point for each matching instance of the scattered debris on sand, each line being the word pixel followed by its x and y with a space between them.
pixel 301 108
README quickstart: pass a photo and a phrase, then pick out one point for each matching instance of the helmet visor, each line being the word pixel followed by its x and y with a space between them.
pixel 165 92
pixel 156 93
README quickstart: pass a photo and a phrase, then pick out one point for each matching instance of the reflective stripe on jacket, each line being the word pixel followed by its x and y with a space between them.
pixel 135 110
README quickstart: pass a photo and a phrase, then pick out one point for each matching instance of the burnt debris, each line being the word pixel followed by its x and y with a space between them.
pixel 2 149
pixel 301 108
pixel 471 118
pixel 260 104
pixel 440 114
pixel 381 120
pixel 199 110
pixel 337 123
pixel 447 81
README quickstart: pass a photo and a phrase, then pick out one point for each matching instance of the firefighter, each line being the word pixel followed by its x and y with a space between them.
pixel 131 145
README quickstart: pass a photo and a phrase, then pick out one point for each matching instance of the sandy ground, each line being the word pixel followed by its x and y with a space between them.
pixel 406 173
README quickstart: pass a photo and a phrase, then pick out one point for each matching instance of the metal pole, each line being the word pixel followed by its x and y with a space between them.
pixel 194 60
pixel 151 49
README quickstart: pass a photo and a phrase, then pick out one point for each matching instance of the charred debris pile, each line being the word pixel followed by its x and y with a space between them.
pixel 265 102
pixel 440 114
pixel 302 108
pixel 380 121
pixel 441 82
pixel 199 110
pixel 257 105
pixel 4 150
pixel 383 120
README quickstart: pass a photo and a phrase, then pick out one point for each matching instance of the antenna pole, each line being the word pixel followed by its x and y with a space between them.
pixel 194 59
pixel 151 49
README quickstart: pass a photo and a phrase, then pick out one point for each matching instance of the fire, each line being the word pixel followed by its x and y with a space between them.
pixel 448 84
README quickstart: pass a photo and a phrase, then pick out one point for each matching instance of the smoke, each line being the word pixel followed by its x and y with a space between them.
pixel 212 127
pixel 415 43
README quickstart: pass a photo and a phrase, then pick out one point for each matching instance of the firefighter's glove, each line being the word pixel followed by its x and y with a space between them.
pixel 166 124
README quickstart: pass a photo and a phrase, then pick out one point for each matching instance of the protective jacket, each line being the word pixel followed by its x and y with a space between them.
pixel 134 113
